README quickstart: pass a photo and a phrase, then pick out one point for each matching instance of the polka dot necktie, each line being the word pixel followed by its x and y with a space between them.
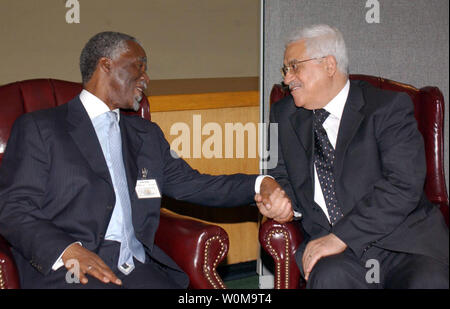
pixel 324 160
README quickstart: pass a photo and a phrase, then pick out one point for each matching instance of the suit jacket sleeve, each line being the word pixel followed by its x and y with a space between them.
pixel 395 195
pixel 181 182
pixel 23 178
pixel 279 172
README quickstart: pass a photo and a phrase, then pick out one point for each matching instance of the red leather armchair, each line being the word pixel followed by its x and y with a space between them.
pixel 196 247
pixel 280 241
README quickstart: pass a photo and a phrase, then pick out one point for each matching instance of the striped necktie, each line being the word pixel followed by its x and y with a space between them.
pixel 129 245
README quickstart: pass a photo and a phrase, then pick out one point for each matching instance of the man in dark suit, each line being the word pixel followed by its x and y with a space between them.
pixel 81 184
pixel 352 161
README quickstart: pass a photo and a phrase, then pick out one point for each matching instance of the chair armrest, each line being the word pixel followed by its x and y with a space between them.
pixel 281 241
pixel 196 247
pixel 9 277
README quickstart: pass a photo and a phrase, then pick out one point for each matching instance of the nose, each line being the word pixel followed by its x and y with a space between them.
pixel 288 77
pixel 146 79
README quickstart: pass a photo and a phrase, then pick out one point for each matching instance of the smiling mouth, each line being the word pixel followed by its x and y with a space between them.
pixel 140 91
pixel 294 86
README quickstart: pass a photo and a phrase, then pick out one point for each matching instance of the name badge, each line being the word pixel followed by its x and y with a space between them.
pixel 147 188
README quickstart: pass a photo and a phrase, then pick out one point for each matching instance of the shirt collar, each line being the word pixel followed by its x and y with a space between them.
pixel 336 106
pixel 94 106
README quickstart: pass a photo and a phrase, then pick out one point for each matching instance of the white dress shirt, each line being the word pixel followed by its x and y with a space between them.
pixel 331 125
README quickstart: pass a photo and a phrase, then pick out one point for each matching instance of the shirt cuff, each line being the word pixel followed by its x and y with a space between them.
pixel 258 182
pixel 59 262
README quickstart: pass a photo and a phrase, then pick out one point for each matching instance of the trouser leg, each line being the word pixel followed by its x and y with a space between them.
pixel 413 271
pixel 340 271
pixel 379 268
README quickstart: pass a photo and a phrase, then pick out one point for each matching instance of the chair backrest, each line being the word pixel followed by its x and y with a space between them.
pixel 26 96
pixel 429 113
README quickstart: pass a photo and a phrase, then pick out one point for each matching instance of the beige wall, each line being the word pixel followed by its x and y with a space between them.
pixel 183 38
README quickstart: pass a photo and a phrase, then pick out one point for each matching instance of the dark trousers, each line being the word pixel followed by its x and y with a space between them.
pixel 148 275
pixel 377 270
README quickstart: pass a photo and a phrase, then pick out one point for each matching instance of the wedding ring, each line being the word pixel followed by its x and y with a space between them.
pixel 89 267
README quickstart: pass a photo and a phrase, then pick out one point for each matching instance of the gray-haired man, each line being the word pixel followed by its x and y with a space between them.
pixel 353 163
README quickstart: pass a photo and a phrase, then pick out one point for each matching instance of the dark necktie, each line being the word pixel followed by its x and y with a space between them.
pixel 324 160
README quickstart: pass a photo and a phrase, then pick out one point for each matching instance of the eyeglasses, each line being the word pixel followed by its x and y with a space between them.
pixel 295 66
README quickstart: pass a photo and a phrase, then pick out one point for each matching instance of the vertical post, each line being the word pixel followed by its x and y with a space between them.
pixel 266 277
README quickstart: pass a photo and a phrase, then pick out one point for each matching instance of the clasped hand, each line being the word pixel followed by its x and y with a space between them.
pixel 273 202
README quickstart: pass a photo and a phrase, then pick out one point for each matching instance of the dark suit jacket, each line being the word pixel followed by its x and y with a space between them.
pixel 379 170
pixel 55 187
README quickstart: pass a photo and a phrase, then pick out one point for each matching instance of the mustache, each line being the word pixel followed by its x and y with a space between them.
pixel 143 85
pixel 136 102
pixel 294 84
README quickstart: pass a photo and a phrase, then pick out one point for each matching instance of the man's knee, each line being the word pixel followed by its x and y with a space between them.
pixel 336 272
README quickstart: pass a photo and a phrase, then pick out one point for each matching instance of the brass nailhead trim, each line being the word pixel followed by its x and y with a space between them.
pixel 207 270
pixel 2 281
pixel 278 259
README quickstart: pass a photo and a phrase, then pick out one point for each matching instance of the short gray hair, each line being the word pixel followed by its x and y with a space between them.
pixel 321 41
pixel 104 44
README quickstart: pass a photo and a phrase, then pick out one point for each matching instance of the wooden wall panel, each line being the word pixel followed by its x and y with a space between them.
pixel 241 223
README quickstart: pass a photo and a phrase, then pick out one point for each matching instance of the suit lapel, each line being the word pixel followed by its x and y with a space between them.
pixel 302 124
pixel 140 151
pixel 131 147
pixel 350 122
pixel 301 121
pixel 83 134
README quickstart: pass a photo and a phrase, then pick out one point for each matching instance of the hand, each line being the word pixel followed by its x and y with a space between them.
pixel 90 263
pixel 273 202
pixel 319 248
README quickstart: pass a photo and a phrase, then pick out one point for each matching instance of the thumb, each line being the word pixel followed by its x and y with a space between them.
pixel 258 198
pixel 266 203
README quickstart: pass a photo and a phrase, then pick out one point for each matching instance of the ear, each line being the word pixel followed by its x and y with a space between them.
pixel 330 65
pixel 104 64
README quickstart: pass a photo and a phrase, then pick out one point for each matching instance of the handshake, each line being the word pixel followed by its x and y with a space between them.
pixel 273 202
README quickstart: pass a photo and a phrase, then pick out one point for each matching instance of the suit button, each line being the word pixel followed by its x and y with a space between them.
pixel 109 207
pixel 101 235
